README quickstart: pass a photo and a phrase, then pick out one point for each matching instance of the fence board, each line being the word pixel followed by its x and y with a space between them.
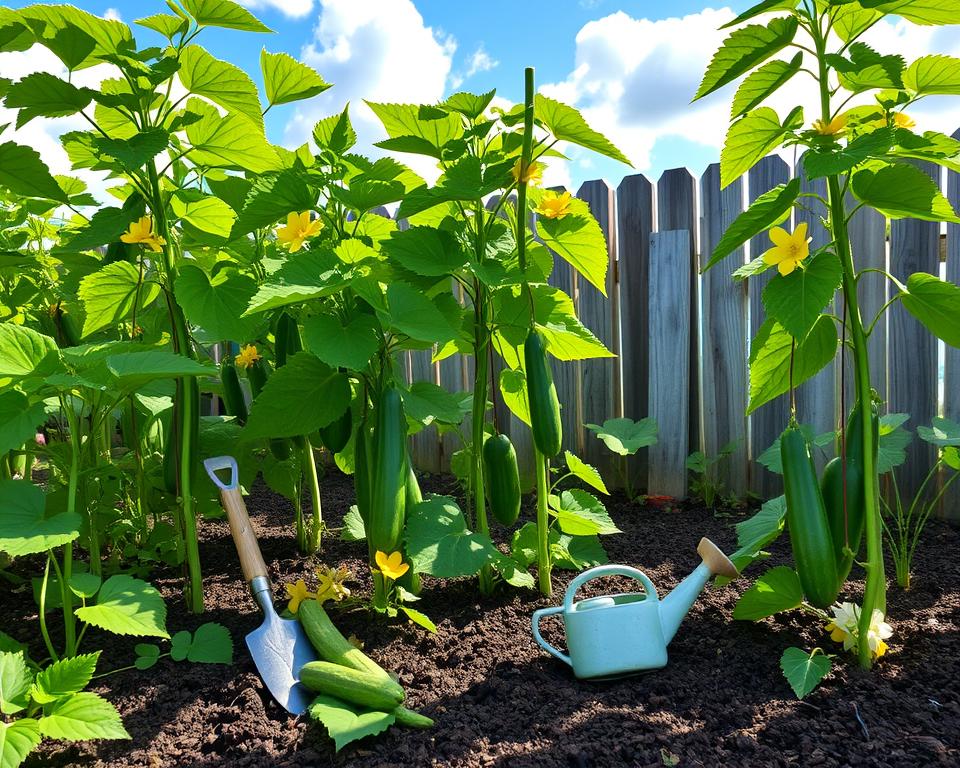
pixel 677 209
pixel 634 225
pixel 912 370
pixel 669 374
pixel 600 378
pixel 767 422
pixel 425 445
pixel 816 397
pixel 724 329
pixel 951 371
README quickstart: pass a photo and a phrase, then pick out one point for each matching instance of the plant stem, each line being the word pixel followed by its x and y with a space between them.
pixel 69 624
pixel 43 609
pixel 543 526
pixel 481 337
pixel 316 526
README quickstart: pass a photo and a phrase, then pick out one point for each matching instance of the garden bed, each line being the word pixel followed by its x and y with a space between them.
pixel 499 700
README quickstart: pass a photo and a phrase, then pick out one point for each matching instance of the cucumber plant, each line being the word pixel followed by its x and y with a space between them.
pixel 865 155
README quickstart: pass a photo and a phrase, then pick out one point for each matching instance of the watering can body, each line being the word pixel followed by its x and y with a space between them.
pixel 626 632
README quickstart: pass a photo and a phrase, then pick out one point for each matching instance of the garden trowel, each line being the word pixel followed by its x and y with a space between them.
pixel 279 647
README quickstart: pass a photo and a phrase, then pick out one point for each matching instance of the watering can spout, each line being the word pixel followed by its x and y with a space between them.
pixel 675 606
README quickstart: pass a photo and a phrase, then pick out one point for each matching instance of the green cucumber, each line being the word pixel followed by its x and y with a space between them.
pixel 410 581
pixel 388 474
pixel 544 404
pixel 411 719
pixel 287 339
pixel 810 538
pixel 233 399
pixel 502 478
pixel 336 434
pixel 257 374
pixel 352 685
pixel 330 643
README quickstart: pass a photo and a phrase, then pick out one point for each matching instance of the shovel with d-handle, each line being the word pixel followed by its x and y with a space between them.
pixel 279 647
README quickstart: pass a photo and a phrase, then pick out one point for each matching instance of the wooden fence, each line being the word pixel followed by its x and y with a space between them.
pixel 682 339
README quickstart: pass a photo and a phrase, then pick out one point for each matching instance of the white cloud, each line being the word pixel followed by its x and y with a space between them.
pixel 379 50
pixel 296 9
pixel 112 14
pixel 479 61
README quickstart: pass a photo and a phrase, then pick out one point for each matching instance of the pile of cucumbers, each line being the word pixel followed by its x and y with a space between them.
pixel 347 673
pixel 825 536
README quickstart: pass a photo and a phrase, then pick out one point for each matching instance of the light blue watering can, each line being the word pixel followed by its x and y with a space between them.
pixel 627 632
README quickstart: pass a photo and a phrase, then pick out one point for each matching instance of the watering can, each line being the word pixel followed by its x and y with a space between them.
pixel 627 632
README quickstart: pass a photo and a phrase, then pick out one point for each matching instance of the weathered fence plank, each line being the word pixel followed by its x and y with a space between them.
pixel 768 421
pixel 600 377
pixel 912 369
pixel 634 225
pixel 724 307
pixel 669 373
pixel 425 445
pixel 677 209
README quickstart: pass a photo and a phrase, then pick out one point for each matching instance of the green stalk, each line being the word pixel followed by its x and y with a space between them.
pixel 525 155
pixel 69 623
pixel 481 343
pixel 43 609
pixel 316 526
pixel 543 526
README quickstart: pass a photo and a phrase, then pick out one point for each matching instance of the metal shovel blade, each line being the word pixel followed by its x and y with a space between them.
pixel 279 647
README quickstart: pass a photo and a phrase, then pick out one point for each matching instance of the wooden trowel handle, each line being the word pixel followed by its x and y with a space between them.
pixel 251 561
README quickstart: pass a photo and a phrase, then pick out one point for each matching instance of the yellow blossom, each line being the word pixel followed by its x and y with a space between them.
pixel 554 206
pixel 788 250
pixel 298 228
pixel 532 175
pixel 392 565
pixel 331 586
pixel 834 128
pixel 845 628
pixel 298 593
pixel 247 356
pixel 903 120
pixel 142 232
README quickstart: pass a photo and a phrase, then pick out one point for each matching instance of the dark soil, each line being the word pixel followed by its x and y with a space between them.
pixel 500 701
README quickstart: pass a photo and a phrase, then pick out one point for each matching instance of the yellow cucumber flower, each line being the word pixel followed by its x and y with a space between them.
pixel 533 174
pixel 392 565
pixel 554 206
pixel 788 249
pixel 331 586
pixel 903 120
pixel 298 228
pixel 247 356
pixel 298 593
pixel 141 232
pixel 834 128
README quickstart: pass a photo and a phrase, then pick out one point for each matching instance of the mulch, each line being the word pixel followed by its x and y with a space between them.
pixel 498 700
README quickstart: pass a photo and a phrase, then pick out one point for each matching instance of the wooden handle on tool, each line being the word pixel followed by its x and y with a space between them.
pixel 718 563
pixel 251 561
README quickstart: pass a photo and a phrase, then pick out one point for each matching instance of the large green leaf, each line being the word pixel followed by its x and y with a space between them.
pixel 23 350
pixel 851 19
pixel 936 304
pixel 17 740
pixel 438 542
pixel 902 191
pixel 135 369
pixel 285 79
pixel 469 105
pixel 433 128
pixel 933 75
pixel 580 513
pixel 626 436
pixel 770 208
pixel 80 717
pixel 584 472
pixel 759 85
pixel 349 346
pixel 228 141
pixel 305 276
pixel 127 606
pixel 776 591
pixel 894 441
pixel 934 12
pixel 755 533
pixel 105 226
pixel 425 251
pixel 335 133
pixel 803 670
pixel 299 398
pixel 222 83
pixel 44 95
pixel 578 240
pixel 272 197
pixel 205 212
pixel 770 358
pixel 19 420
pixel 414 314
pixel 831 160
pixel 25 525
pixel 53 25
pixel 166 24
pixel 217 305
pixel 347 722
pixel 109 295
pixel 941 432
pixel 132 152
pixel 15 679
pixel 796 300
pixel 744 49
pixel 426 403
pixel 224 13
pixel 751 138
pixel 64 677
pixel 24 173
pixel 513 388
pixel 567 124
pixel 867 70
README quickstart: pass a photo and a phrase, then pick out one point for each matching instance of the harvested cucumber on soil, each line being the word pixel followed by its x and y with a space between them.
pixel 352 685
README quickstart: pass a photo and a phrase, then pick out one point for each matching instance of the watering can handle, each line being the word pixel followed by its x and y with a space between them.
pixel 535 621
pixel 608 570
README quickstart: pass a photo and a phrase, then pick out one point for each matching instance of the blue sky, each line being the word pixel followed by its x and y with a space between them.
pixel 631 66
